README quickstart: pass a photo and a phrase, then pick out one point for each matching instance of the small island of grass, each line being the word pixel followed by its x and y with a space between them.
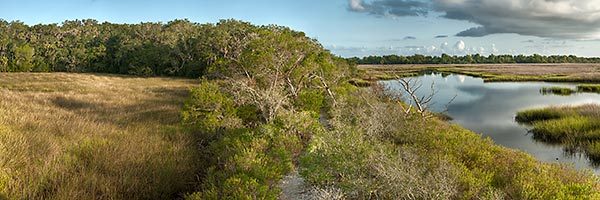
pixel 595 88
pixel 576 126
pixel 557 91
pixel 564 91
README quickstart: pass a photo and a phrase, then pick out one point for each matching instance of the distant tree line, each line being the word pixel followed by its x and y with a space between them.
pixel 177 48
pixel 471 59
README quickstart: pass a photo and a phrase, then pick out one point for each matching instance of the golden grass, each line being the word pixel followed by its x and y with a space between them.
pixel 90 136
pixel 570 72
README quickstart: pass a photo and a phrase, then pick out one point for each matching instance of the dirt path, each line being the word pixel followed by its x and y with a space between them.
pixel 292 187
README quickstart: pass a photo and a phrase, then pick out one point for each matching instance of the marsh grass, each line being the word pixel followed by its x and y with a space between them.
pixel 557 91
pixel 589 88
pixel 584 73
pixel 578 127
pixel 93 136
pixel 567 128
pixel 530 116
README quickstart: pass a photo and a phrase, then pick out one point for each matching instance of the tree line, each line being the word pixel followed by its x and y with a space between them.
pixel 471 59
pixel 176 48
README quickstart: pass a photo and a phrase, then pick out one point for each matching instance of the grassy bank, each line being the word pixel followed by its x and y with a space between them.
pixel 584 73
pixel 375 151
pixel 93 136
pixel 578 127
pixel 500 76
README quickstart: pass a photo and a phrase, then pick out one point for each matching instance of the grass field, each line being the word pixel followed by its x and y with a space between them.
pixel 495 72
pixel 92 136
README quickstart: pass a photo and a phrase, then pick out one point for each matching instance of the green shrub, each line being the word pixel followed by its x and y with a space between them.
pixel 310 100
pixel 249 114
pixel 247 163
pixel 140 71
pixel 208 109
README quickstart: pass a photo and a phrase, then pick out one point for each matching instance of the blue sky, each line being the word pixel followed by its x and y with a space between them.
pixel 357 27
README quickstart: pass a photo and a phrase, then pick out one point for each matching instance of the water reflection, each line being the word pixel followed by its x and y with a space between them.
pixel 490 108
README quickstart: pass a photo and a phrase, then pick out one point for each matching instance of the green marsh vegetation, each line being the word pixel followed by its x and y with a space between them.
pixel 595 88
pixel 552 72
pixel 269 101
pixel 563 91
pixel 576 126
pixel 557 91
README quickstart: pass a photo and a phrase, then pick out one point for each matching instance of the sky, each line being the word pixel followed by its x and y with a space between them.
pixel 366 27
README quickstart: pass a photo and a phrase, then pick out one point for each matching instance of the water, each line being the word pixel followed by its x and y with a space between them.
pixel 490 108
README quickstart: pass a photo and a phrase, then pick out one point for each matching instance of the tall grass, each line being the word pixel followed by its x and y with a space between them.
pixel 578 126
pixel 85 136
pixel 557 91
pixel 572 127
pixel 529 116
pixel 589 88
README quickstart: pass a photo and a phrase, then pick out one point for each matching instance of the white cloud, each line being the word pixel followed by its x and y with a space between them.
pixel 445 46
pixel 356 5
pixel 460 46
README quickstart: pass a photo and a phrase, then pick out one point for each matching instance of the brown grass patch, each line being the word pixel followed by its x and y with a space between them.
pixel 93 136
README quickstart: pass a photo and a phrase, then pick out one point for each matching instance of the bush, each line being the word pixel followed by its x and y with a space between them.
pixel 208 109
pixel 244 165
pixel 310 100
pixel 247 163
pixel 250 115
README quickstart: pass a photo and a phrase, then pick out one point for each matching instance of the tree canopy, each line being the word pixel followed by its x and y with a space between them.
pixel 471 59
pixel 176 48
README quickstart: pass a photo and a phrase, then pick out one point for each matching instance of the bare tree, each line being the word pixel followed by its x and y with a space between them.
pixel 411 87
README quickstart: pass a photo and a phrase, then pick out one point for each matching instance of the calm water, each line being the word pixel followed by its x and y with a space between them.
pixel 490 109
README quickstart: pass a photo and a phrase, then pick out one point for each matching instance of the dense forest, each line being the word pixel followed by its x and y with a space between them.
pixel 177 48
pixel 471 59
